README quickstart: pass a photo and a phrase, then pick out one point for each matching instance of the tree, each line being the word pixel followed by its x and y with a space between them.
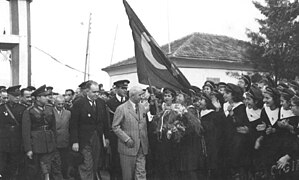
pixel 276 45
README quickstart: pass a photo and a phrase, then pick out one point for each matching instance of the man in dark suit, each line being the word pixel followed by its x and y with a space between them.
pixel 120 97
pixel 130 126
pixel 87 125
pixel 11 153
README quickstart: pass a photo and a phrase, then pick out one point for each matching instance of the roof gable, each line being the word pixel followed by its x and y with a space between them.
pixel 202 46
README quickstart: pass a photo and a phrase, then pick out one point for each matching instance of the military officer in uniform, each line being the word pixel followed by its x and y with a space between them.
pixel 26 99
pixel 120 97
pixel 11 152
pixel 39 135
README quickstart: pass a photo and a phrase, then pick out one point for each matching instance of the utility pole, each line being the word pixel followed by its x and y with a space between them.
pixel 87 49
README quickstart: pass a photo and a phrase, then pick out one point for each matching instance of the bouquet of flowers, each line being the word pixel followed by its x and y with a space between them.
pixel 175 122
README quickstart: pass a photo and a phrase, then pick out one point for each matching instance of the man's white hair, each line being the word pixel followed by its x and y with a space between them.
pixel 59 98
pixel 134 90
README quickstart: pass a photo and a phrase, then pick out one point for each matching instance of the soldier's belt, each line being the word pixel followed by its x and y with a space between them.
pixel 41 128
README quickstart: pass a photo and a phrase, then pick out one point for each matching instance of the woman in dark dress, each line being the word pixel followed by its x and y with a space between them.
pixel 164 155
pixel 237 134
pixel 267 143
pixel 211 122
pixel 190 157
pixel 254 105
pixel 288 140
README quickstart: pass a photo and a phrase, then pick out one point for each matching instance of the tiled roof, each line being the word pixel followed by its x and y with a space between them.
pixel 204 47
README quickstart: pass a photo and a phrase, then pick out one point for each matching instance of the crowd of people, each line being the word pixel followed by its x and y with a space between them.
pixel 219 131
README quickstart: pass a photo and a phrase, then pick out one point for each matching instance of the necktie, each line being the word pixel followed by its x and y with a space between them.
pixel 93 105
pixel 122 99
pixel 136 108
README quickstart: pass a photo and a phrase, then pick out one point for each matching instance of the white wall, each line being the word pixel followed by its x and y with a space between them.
pixel 197 77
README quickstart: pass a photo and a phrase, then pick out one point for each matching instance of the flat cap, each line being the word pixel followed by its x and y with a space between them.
pixel 14 90
pixel 237 90
pixel 294 84
pixel 287 93
pixel 255 93
pixel 121 83
pixel 272 91
pixel 221 84
pixel 209 83
pixel 41 91
pixel 247 81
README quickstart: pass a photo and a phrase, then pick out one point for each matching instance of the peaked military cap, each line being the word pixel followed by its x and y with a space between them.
pixel 31 88
pixel 49 88
pixel 2 87
pixel 14 90
pixel 121 83
pixel 41 91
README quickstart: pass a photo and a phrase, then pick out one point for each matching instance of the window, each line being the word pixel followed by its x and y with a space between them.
pixel 215 80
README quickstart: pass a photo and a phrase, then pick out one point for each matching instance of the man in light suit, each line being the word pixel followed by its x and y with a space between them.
pixel 62 117
pixel 129 124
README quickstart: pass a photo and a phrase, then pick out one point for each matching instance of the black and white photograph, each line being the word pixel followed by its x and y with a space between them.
pixel 149 90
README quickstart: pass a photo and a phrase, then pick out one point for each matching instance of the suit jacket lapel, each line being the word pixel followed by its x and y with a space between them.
pixel 90 109
pixel 132 111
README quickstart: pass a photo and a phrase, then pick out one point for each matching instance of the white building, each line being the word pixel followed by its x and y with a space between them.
pixel 200 57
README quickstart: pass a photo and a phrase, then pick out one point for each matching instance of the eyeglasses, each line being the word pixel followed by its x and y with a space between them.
pixel 124 88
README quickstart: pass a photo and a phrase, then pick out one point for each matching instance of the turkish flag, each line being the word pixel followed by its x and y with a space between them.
pixel 153 67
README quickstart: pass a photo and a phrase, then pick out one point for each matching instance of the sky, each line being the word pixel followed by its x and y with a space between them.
pixel 60 29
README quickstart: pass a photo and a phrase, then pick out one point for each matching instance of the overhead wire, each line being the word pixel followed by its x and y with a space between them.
pixel 55 59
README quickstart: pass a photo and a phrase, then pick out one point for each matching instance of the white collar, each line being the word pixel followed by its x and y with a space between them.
pixel 205 112
pixel 133 104
pixel 235 105
pixel 285 113
pixel 225 107
pixel 118 97
pixel 253 114
pixel 272 114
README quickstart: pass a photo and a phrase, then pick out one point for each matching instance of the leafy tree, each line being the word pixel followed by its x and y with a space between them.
pixel 276 45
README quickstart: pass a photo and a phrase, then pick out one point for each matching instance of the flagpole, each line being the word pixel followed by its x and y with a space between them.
pixel 168 28
pixel 87 47
pixel 155 100
pixel 113 44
